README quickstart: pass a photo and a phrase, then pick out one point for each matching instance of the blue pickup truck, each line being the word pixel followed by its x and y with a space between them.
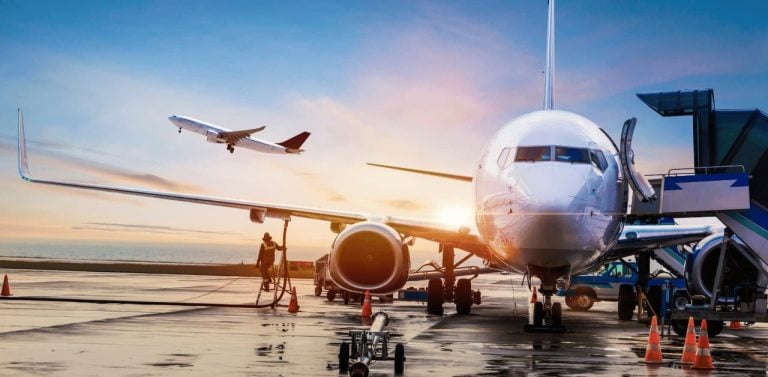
pixel 604 285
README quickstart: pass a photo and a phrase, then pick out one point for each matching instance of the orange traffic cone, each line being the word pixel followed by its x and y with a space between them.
pixel 366 312
pixel 703 358
pixel 653 349
pixel 689 348
pixel 293 306
pixel 735 325
pixel 534 298
pixel 6 287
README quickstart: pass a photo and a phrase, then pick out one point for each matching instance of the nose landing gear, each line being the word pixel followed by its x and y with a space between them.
pixel 547 316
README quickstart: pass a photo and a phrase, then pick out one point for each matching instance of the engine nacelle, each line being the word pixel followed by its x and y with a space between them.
pixel 212 136
pixel 369 256
pixel 738 273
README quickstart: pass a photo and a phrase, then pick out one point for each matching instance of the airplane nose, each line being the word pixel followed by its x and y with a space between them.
pixel 550 188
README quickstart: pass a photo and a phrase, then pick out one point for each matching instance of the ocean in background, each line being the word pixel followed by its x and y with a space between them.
pixel 165 252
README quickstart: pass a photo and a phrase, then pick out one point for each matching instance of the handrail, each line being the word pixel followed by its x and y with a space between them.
pixel 706 168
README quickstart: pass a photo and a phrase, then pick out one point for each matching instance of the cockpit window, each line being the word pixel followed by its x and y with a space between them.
pixel 572 155
pixel 502 160
pixel 533 154
pixel 598 159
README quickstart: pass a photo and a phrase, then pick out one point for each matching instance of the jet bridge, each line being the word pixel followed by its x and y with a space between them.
pixel 729 180
pixel 730 176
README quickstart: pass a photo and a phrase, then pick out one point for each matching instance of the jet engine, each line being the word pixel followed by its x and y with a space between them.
pixel 739 274
pixel 369 256
pixel 212 136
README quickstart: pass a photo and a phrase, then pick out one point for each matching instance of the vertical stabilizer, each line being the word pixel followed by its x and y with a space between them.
pixel 549 73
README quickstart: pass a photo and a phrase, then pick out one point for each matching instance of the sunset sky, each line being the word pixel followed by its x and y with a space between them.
pixel 422 84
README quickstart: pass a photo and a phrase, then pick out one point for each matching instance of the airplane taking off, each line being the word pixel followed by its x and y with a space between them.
pixel 550 197
pixel 242 138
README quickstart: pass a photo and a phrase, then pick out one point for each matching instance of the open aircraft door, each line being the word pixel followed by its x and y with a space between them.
pixel 642 188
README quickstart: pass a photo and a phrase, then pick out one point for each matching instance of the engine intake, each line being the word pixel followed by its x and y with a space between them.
pixel 738 273
pixel 369 256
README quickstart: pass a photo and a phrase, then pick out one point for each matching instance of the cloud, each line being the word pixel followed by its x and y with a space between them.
pixel 104 170
pixel 9 143
pixel 142 228
pixel 317 183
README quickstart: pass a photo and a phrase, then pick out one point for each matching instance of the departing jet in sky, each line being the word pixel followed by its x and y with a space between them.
pixel 242 138
pixel 550 198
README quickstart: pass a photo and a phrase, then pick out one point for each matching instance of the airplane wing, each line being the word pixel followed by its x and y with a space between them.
pixel 232 137
pixel 460 238
pixel 457 177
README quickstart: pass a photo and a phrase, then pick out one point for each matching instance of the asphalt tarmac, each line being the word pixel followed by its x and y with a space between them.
pixel 86 338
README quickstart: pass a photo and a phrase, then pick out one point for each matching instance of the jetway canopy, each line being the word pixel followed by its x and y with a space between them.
pixel 725 138
pixel 721 137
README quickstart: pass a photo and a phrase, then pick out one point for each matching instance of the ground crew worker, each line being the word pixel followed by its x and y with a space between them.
pixel 267 258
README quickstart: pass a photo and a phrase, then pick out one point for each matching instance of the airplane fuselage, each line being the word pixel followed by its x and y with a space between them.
pixel 549 193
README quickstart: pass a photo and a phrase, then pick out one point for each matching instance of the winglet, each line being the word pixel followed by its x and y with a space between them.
pixel 23 166
pixel 293 145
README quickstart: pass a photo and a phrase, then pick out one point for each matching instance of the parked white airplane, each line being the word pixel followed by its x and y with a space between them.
pixel 550 202
pixel 242 138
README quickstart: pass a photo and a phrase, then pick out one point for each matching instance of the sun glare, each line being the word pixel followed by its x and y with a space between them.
pixel 455 215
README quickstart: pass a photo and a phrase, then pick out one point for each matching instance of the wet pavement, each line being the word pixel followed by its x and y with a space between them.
pixel 41 338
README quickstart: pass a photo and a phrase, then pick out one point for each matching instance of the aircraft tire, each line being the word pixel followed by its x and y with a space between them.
pixel 538 314
pixel 318 290
pixel 557 314
pixel 331 295
pixel 435 296
pixel 463 296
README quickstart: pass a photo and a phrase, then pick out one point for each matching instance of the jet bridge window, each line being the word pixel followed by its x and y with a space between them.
pixel 572 155
pixel 533 154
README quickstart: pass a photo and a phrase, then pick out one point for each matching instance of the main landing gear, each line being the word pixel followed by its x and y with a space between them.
pixel 447 289
pixel 231 148
pixel 547 316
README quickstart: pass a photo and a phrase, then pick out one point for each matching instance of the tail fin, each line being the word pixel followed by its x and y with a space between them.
pixel 549 78
pixel 293 145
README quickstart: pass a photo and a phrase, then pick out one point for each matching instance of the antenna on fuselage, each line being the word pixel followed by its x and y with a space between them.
pixel 549 74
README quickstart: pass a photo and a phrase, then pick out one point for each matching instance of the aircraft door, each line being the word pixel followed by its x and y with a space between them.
pixel 642 188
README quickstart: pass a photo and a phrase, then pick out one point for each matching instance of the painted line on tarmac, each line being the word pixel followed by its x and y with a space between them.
pixel 131 302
